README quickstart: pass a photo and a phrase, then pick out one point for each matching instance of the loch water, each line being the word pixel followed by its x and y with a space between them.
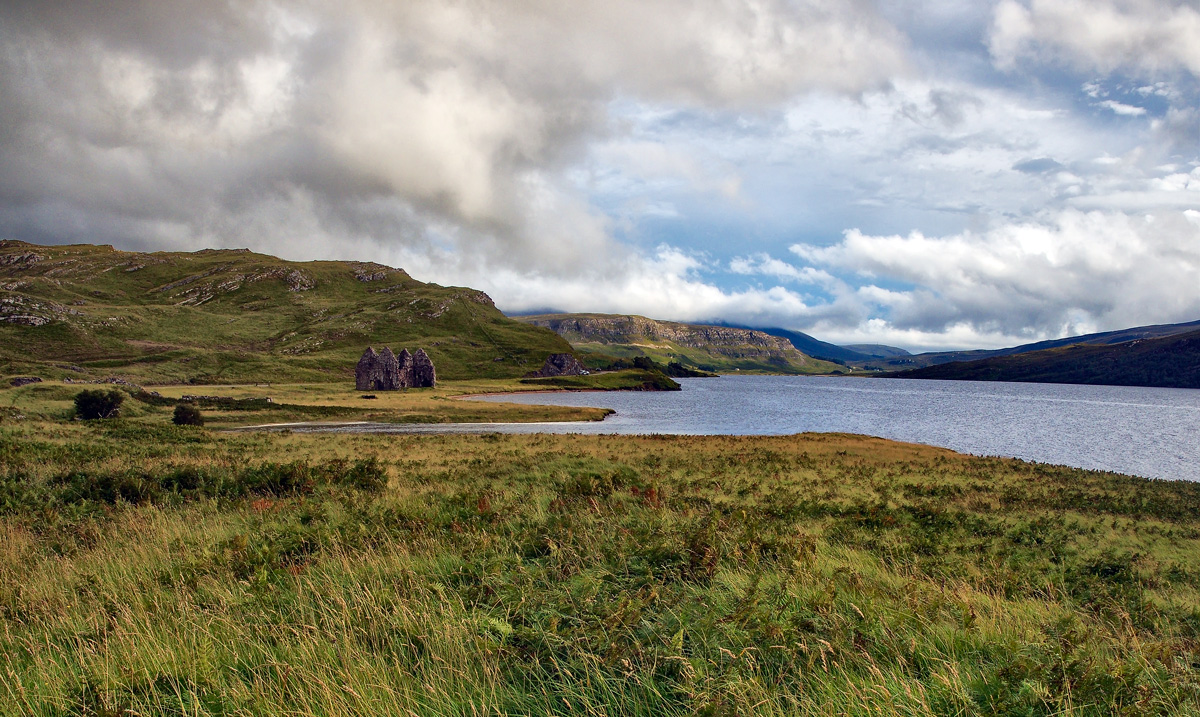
pixel 1151 432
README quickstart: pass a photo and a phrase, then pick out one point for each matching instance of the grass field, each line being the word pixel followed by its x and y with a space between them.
pixel 257 404
pixel 152 569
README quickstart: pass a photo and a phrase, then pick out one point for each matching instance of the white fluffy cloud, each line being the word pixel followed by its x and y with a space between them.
pixel 1144 35
pixel 1073 272
pixel 762 264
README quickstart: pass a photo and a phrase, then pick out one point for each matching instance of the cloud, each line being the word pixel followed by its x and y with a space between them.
pixel 1122 109
pixel 762 264
pixel 627 156
pixel 1041 165
pixel 669 280
pixel 1033 280
pixel 180 123
pixel 1149 36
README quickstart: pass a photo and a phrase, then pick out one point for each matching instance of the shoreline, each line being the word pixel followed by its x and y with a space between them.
pixel 468 396
pixel 447 428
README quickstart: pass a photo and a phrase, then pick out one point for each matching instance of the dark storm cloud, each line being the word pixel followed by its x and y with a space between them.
pixel 176 33
pixel 188 119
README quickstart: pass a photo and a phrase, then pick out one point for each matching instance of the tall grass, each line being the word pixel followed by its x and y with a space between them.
pixel 583 575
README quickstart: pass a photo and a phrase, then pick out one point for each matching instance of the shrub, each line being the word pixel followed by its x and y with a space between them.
pixel 187 415
pixel 95 403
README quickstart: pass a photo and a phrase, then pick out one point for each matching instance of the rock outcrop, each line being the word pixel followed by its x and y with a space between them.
pixel 560 365
pixel 385 371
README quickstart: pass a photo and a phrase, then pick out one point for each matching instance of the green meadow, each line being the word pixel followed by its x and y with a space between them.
pixel 152 569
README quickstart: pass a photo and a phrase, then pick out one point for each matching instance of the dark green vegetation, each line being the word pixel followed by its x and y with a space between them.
pixel 1171 362
pixel 720 349
pixel 94 404
pixel 626 380
pixel 678 370
pixel 674 369
pixel 153 569
pixel 187 414
pixel 237 317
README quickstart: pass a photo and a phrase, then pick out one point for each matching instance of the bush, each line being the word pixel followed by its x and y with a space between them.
pixel 93 404
pixel 187 415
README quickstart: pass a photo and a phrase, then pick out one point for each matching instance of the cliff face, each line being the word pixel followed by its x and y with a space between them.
pixel 719 348
pixel 620 329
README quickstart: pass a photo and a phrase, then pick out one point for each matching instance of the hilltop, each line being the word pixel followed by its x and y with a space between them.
pixel 899 361
pixel 1169 361
pixel 234 316
pixel 711 348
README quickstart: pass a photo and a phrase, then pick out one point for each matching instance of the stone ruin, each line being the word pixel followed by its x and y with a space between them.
pixel 560 365
pixel 385 371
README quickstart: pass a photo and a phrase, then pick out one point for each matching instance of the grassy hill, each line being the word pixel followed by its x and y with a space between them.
pixel 878 350
pixel 230 316
pixel 1171 362
pixel 721 349
pixel 1106 338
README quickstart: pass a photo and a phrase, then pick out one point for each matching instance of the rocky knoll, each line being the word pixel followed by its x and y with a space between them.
pixel 560 365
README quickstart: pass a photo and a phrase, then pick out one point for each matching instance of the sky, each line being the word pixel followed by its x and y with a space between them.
pixel 933 175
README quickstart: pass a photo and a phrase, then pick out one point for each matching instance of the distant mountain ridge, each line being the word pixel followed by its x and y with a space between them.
pixel 1102 338
pixel 1169 361
pixel 878 350
pixel 811 346
pixel 232 315
pixel 705 346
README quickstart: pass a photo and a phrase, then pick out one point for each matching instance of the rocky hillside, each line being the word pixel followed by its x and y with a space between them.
pixel 216 316
pixel 712 348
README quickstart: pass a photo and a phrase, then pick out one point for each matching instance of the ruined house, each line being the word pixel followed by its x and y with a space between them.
pixel 423 373
pixel 385 371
